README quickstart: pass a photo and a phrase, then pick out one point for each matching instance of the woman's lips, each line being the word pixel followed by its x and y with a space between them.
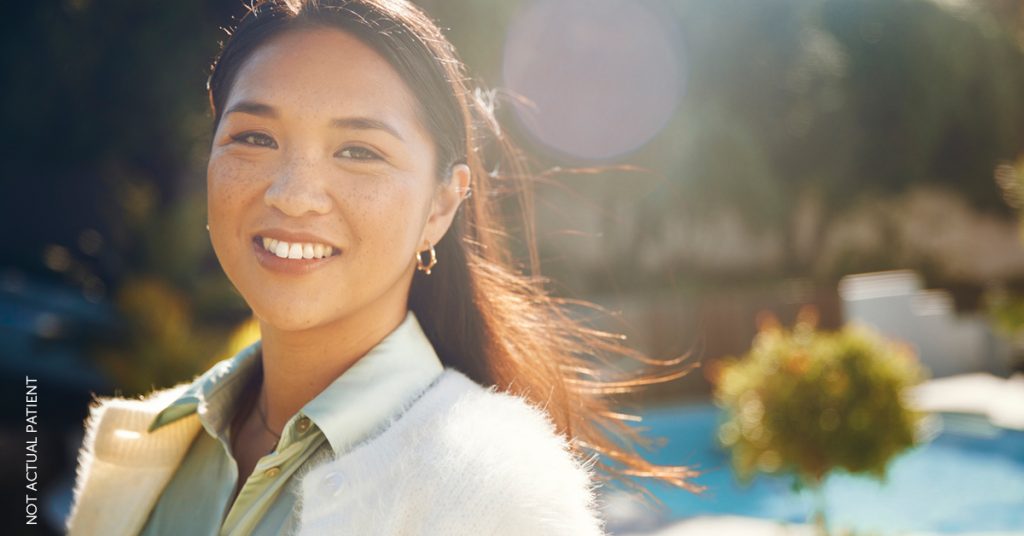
pixel 287 266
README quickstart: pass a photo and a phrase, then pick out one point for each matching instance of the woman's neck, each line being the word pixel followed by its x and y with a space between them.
pixel 299 365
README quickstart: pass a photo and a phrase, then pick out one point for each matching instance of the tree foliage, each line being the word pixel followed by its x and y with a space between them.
pixel 809 403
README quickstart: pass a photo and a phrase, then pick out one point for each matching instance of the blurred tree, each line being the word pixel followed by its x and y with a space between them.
pixel 1004 303
pixel 798 106
pixel 105 141
pixel 810 403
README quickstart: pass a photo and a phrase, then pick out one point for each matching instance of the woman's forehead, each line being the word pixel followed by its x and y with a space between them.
pixel 323 72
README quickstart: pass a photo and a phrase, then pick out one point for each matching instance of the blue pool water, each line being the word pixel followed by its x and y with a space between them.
pixel 969 478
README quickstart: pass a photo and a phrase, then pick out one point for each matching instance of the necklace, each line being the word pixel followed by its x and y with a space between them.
pixel 263 416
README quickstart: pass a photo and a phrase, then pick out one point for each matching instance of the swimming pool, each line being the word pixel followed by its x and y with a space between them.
pixel 968 478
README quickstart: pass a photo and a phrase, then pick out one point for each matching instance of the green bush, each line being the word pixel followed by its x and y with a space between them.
pixel 806 402
pixel 809 402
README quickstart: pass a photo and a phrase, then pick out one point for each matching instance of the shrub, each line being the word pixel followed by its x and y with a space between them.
pixel 806 402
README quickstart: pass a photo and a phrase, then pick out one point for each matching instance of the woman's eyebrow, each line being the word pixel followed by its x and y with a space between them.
pixel 253 108
pixel 366 123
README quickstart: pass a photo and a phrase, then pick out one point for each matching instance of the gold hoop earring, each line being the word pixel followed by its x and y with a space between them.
pixel 426 267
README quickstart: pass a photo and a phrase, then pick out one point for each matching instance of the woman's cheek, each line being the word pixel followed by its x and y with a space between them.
pixel 229 184
pixel 405 203
pixel 218 180
pixel 225 195
pixel 391 223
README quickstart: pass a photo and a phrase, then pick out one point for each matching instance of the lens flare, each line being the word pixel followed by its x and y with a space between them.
pixel 595 79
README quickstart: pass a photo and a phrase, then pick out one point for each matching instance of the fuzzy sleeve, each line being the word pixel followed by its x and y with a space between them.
pixel 116 449
pixel 525 468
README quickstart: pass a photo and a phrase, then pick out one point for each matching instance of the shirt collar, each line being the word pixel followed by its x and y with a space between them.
pixel 348 410
pixel 213 393
pixel 376 387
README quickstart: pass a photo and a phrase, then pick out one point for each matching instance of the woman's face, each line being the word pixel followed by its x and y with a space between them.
pixel 319 155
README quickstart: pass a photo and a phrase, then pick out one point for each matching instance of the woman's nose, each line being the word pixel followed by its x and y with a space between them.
pixel 299 188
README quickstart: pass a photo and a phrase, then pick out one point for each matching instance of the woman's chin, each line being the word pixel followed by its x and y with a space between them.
pixel 281 319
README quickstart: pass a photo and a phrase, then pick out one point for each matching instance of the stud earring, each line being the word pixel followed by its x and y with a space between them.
pixel 207 227
pixel 426 267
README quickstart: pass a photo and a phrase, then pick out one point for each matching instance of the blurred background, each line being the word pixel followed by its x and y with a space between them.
pixel 859 157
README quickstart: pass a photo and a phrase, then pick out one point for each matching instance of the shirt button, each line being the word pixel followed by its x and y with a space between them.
pixel 302 425
pixel 272 472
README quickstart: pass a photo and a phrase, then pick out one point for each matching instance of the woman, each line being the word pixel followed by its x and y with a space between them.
pixel 407 380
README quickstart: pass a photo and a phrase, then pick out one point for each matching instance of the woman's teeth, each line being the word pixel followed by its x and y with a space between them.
pixel 296 250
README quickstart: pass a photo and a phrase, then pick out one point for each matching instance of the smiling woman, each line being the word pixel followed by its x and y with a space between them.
pixel 408 380
pixel 320 144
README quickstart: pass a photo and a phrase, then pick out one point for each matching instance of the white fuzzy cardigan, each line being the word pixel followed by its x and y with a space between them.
pixel 459 460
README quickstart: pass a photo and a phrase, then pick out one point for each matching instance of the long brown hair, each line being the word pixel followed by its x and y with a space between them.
pixel 490 321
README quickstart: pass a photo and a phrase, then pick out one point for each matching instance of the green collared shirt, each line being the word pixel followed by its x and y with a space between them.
pixel 348 411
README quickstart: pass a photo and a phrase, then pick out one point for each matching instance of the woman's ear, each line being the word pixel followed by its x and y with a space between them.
pixel 447 199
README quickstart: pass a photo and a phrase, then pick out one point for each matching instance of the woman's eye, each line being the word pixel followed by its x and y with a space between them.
pixel 358 153
pixel 255 138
